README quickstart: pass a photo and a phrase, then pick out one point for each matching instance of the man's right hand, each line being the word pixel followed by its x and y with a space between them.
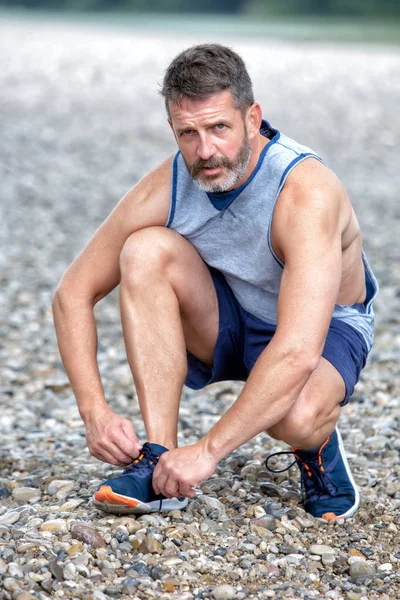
pixel 112 438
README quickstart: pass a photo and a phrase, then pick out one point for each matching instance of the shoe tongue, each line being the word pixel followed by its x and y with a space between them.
pixel 156 448
pixel 308 454
pixel 312 453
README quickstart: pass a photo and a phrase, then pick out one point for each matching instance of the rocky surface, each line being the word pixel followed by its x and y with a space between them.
pixel 81 121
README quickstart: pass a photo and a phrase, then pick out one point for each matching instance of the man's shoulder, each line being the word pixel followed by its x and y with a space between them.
pixel 311 190
pixel 312 181
pixel 157 181
pixel 147 202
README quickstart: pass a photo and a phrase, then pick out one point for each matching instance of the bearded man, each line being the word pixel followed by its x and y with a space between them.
pixel 240 258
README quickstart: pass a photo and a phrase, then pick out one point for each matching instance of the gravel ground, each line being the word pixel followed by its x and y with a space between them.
pixel 81 121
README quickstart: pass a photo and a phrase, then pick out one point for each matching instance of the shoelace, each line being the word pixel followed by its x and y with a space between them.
pixel 313 476
pixel 145 460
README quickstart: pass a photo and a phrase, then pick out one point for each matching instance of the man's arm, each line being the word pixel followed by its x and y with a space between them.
pixel 307 227
pixel 93 275
pixel 307 231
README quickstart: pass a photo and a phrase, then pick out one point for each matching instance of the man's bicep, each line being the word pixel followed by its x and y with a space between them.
pixel 95 271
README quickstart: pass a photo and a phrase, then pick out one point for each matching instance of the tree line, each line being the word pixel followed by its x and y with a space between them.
pixel 356 8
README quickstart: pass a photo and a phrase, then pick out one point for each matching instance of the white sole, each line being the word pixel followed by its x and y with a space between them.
pixel 142 508
pixel 356 504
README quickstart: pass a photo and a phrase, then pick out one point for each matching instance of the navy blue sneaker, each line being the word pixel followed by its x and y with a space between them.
pixel 132 492
pixel 329 489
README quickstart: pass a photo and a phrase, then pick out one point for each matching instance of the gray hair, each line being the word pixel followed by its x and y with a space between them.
pixel 204 70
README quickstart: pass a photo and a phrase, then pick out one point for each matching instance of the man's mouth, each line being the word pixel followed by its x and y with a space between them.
pixel 211 170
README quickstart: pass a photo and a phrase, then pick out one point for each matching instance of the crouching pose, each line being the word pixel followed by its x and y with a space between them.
pixel 239 258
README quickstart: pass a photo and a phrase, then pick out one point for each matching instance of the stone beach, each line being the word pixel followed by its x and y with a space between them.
pixel 81 122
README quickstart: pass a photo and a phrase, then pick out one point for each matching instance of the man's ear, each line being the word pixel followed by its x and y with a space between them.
pixel 253 120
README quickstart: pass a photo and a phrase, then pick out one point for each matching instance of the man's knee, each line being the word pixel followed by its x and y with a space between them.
pixel 298 427
pixel 294 432
pixel 147 251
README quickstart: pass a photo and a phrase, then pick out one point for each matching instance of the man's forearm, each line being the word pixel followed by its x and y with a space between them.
pixel 77 340
pixel 271 390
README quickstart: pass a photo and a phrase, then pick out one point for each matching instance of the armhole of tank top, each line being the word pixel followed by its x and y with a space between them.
pixel 174 187
pixel 285 174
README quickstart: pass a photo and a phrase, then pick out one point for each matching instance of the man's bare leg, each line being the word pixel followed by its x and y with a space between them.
pixel 315 412
pixel 329 487
pixel 168 304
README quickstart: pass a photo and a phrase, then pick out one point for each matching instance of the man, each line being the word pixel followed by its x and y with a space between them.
pixel 239 258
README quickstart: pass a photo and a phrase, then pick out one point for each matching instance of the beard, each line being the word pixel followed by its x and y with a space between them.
pixel 235 169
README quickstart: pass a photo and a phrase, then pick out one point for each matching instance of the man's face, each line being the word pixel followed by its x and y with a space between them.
pixel 213 140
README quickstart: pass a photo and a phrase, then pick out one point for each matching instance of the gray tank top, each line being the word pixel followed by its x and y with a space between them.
pixel 231 231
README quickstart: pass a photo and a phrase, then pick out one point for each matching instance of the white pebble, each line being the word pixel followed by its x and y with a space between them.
pixel 386 567
pixel 354 559
pixel 320 549
pixel 69 571
pixel 223 592
pixel 9 518
pixel 60 484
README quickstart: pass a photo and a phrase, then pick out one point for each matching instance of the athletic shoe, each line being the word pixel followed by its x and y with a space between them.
pixel 132 492
pixel 329 489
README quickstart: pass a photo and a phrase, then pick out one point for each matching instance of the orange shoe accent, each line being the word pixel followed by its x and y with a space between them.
pixel 329 516
pixel 105 494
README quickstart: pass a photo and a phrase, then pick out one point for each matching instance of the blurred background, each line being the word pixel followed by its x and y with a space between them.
pixel 352 20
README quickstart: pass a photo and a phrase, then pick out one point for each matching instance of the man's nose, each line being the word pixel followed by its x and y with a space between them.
pixel 206 148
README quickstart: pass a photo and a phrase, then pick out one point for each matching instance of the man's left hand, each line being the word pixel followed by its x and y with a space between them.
pixel 179 471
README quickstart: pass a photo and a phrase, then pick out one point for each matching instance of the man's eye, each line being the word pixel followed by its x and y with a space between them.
pixel 187 132
pixel 220 126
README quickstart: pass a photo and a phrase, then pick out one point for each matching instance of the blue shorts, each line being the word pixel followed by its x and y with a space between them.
pixel 242 337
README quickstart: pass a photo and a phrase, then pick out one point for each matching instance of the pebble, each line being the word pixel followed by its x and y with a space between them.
pixel 261 532
pixel 213 507
pixel 361 570
pixel 15 571
pixel 71 504
pixel 98 595
pixel 26 494
pixel 320 550
pixel 87 535
pixel 75 548
pixel 9 518
pixel 11 585
pixel 328 560
pixel 355 552
pixel 56 570
pixel 4 493
pixel 352 560
pixel 150 546
pixel 385 568
pixel 27 547
pixel 266 521
pixel 58 485
pixel 286 549
pixel 224 592
pixel 247 533
pixel 55 526
pixel 69 571
pixel 172 561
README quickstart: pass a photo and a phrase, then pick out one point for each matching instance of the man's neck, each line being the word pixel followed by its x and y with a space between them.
pixel 257 147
